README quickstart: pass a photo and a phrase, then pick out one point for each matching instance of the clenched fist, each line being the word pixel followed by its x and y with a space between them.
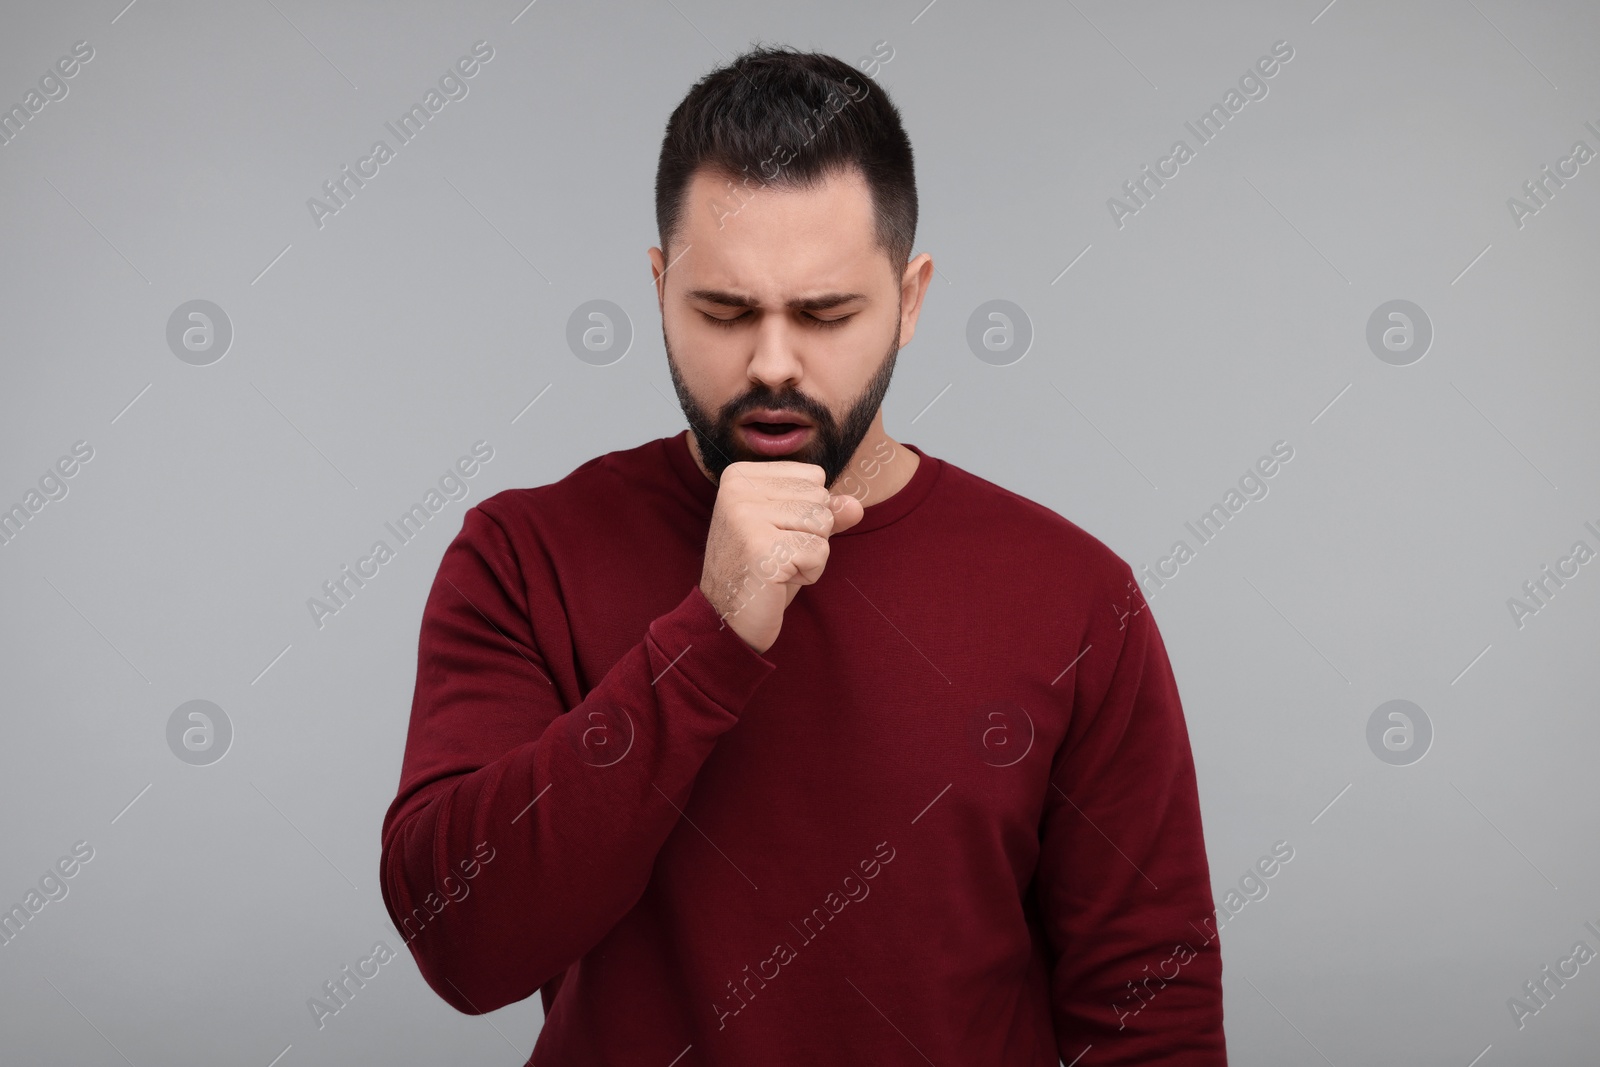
pixel 769 536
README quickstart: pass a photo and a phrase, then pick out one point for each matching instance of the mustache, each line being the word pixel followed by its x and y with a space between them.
pixel 806 409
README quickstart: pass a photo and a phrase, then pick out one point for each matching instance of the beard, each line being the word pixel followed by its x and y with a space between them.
pixel 832 443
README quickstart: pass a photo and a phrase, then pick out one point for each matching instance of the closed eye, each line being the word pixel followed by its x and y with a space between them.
pixel 825 324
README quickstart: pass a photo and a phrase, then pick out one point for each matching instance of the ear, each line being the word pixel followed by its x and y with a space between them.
pixel 913 287
pixel 658 266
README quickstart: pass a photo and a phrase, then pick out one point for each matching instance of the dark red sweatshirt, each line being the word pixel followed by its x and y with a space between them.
pixel 950 816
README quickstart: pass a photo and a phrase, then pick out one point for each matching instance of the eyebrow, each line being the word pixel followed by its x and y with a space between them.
pixel 821 302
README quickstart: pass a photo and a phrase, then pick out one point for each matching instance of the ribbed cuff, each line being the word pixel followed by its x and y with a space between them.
pixel 709 653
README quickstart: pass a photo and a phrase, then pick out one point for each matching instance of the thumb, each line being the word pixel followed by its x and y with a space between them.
pixel 847 511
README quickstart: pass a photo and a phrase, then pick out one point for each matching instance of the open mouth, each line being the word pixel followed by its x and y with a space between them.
pixel 774 438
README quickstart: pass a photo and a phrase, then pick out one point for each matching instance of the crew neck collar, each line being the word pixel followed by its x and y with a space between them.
pixel 876 515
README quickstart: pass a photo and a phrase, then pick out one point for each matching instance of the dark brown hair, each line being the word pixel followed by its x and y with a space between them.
pixel 779 118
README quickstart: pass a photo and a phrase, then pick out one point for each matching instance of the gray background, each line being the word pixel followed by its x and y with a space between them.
pixel 369 354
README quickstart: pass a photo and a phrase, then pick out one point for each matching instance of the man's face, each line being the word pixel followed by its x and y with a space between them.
pixel 786 309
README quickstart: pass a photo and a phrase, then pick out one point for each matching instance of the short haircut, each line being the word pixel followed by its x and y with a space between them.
pixel 773 118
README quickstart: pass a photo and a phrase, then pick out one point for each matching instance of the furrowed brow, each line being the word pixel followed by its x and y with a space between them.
pixel 821 302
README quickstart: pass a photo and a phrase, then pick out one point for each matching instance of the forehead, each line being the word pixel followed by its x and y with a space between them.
pixel 774 241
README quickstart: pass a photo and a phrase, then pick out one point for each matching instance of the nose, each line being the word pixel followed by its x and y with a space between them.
pixel 775 360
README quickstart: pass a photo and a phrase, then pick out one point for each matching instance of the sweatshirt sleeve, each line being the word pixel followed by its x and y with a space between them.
pixel 523 829
pixel 1123 881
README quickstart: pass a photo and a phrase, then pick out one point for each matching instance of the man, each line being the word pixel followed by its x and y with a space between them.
pixel 778 741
